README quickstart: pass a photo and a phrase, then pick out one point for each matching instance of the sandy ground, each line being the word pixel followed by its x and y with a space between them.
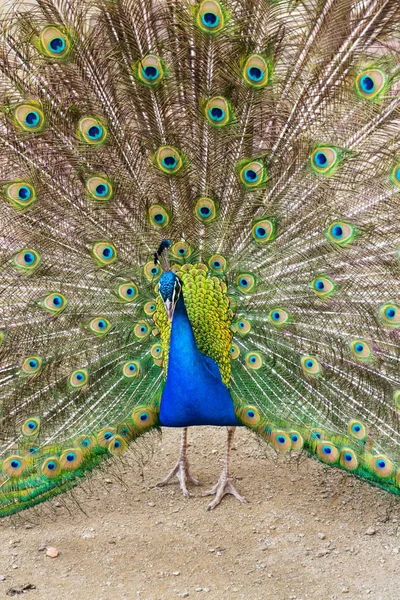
pixel 306 532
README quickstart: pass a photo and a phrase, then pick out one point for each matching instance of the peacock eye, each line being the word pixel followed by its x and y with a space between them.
pixel 31 365
pixel 150 308
pixel 105 436
pixel 159 216
pixel 323 286
pixel 27 260
pixel 253 360
pixel 206 209
pixel 252 174
pixel 279 317
pixel 54 303
pixel 99 188
pixel 131 369
pixel 311 366
pixel 256 71
pixel 264 230
pixel 99 326
pixel 54 43
pixel 324 160
pixel 14 465
pixel 31 427
pixel 210 17
pixel 141 330
pixel 218 111
pixel 341 233
pixel 181 250
pixel 51 468
pixel 217 263
pixel 234 351
pixel 91 130
pixel 381 466
pixel 395 175
pixel 127 291
pixel 361 350
pixel 20 194
pixel 250 415
pixel 169 160
pixel 245 282
pixel 152 272
pixel 71 458
pixel 390 314
pixel 29 117
pixel 104 253
pixel 371 83
pixel 117 446
pixel 357 429
pixel 348 459
pixel 78 378
pixel 150 70
pixel 327 452
pixel 297 440
pixel 243 326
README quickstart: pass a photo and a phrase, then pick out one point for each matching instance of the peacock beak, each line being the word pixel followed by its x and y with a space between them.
pixel 170 308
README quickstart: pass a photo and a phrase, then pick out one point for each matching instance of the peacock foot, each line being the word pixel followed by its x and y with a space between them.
pixel 223 487
pixel 182 472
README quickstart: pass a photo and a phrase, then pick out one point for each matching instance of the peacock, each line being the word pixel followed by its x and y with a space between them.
pixel 199 226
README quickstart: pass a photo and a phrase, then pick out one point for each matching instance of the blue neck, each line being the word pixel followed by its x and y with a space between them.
pixel 194 393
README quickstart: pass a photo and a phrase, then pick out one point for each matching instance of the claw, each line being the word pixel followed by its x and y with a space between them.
pixel 223 487
pixel 181 470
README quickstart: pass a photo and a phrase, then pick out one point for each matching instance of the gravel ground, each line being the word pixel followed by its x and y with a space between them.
pixel 306 532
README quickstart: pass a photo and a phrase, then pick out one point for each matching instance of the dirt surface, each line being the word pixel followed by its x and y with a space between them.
pixel 306 532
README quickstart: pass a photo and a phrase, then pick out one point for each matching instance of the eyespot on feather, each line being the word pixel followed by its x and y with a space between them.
pixel 218 111
pixel 181 250
pixel 381 466
pixel 348 459
pixel 390 314
pixel 246 282
pixel 29 117
pixel 280 440
pixel 31 365
pixel 169 160
pixel 264 230
pixel 249 415
pixel 279 317
pixel 104 253
pixel 311 366
pixel 105 436
pixel 252 173
pixel 296 439
pixel 150 70
pixel 26 260
pixel 234 351
pixel 152 272
pixel 14 465
pixel 327 452
pixel 395 175
pixel 254 360
pixel 53 42
pixel 371 83
pixel 78 378
pixel 210 17
pixel 71 459
pixel 85 442
pixel 117 446
pixel 143 418
pixel 341 233
pixel 92 131
pixel 51 467
pixel 256 71
pixel 159 216
pixel 361 350
pixel 127 291
pixel 142 330
pixel 20 194
pixel 206 209
pixel 31 427
pixel 131 369
pixel 357 429
pixel 99 188
pixel 100 326
pixel 324 287
pixel 54 303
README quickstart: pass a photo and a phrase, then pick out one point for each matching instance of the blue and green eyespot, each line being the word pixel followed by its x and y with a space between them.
pixel 31 427
pixel 181 250
pixel 252 173
pixel 169 160
pixel 371 84
pixel 264 230
pixel 341 233
pixel 311 366
pixel 245 283
pixel 361 350
pixel 31 365
pixel 54 303
pixel 390 314
pixel 71 459
pixel 256 71
pixel 159 216
pixel 357 429
pixel 218 111
pixel 131 369
pixel 210 16
pixel 395 174
pixel 29 117
pixel 100 326
pixel 20 194
pixel 206 209
pixel 142 330
pixel 99 187
pixel 53 42
pixel 218 263
pixel 92 131
pixel 78 378
pixel 327 452
pixel 104 253
pixel 324 287
pixel 150 70
pixel 127 291
pixel 279 317
pixel 324 160
pixel 152 272
pixel 14 465
pixel 27 260
pixel 253 360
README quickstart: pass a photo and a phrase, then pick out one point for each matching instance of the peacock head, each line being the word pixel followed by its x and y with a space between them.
pixel 169 288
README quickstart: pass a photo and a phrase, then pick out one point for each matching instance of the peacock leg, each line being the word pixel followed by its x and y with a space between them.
pixel 224 485
pixel 181 469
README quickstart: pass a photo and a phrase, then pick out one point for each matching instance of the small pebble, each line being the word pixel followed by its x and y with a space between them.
pixel 52 552
pixel 370 531
pixel 321 535
pixel 176 573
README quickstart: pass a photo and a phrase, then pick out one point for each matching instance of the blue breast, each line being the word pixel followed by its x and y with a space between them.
pixel 194 393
